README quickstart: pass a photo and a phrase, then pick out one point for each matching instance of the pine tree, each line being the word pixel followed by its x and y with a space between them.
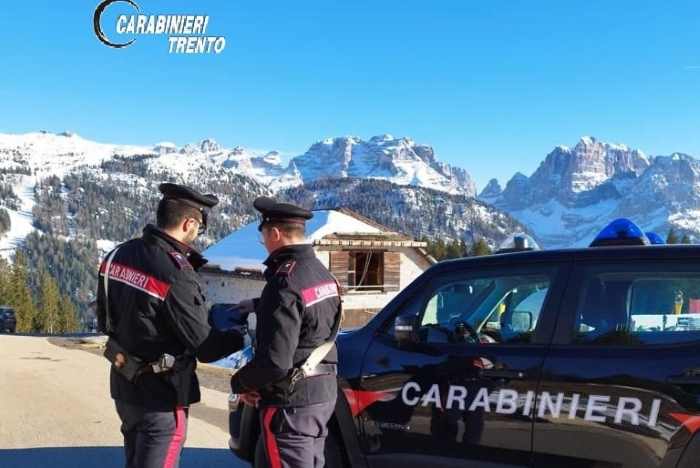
pixel 440 249
pixel 480 247
pixel 464 251
pixel 68 317
pixel 5 223
pixel 452 250
pixel 672 237
pixel 20 294
pixel 686 239
pixel 5 281
pixel 47 317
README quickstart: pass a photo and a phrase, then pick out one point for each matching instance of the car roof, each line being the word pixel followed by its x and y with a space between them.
pixel 616 253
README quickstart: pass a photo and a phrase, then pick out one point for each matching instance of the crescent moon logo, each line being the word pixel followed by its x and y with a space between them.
pixel 98 29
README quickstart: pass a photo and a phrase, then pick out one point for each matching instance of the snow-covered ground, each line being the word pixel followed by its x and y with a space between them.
pixel 20 220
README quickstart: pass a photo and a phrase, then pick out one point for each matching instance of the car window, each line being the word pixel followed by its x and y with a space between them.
pixel 638 307
pixel 498 309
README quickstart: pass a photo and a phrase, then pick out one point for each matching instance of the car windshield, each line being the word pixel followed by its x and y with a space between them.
pixel 489 305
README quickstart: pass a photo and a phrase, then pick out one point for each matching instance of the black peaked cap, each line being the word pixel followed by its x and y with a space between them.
pixel 272 211
pixel 186 194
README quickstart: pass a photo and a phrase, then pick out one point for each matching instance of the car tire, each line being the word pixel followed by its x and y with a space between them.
pixel 333 452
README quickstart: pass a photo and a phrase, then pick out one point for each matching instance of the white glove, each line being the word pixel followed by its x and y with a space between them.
pixel 252 324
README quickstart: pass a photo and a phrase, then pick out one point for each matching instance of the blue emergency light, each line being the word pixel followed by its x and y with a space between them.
pixel 620 232
pixel 654 238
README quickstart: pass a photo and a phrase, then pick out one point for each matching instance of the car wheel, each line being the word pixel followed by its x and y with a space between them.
pixel 333 452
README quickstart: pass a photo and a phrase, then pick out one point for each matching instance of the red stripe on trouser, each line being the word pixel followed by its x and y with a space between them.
pixel 178 438
pixel 273 453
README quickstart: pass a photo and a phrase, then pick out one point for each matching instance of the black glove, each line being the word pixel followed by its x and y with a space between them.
pixel 227 317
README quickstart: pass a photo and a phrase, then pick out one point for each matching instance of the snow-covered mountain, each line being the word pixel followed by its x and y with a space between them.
pixel 131 172
pixel 27 158
pixel 575 191
pixel 570 196
pixel 397 160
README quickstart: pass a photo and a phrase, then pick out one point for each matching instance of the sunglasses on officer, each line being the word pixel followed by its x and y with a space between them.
pixel 201 224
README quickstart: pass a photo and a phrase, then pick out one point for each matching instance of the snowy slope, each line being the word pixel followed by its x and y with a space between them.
pixel 20 220
pixel 54 154
pixel 43 154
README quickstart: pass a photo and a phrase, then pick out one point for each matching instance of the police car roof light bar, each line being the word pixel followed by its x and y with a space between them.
pixel 620 232
pixel 654 238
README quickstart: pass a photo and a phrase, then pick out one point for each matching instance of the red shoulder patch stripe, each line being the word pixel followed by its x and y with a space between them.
pixel 319 292
pixel 137 279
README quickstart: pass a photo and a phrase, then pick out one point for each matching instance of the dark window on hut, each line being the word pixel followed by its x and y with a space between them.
pixel 366 272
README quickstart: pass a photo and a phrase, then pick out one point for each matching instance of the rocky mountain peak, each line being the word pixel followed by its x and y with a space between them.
pixel 565 173
pixel 164 147
pixel 209 145
pixel 492 190
pixel 399 160
pixel 381 138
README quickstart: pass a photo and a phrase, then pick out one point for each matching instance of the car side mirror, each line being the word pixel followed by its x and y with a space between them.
pixel 405 330
pixel 521 321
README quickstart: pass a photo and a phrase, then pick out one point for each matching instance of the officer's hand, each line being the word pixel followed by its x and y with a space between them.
pixel 246 306
pixel 250 398
pixel 119 360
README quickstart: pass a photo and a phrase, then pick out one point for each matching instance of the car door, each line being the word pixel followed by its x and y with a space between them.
pixel 620 386
pixel 461 392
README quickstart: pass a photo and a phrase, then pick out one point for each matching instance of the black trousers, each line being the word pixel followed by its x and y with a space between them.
pixel 293 437
pixel 152 439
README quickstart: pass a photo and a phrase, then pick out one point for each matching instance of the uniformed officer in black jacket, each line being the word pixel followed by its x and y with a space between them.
pixel 299 310
pixel 150 303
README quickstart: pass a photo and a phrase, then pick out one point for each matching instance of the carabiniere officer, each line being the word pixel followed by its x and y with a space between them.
pixel 150 303
pixel 292 377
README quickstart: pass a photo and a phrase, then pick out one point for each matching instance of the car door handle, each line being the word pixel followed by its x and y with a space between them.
pixel 503 374
pixel 686 377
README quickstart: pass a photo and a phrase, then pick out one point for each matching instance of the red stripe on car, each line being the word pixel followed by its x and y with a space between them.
pixel 690 421
pixel 358 400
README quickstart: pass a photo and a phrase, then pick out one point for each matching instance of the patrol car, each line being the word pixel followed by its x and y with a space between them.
pixel 566 358
pixel 8 322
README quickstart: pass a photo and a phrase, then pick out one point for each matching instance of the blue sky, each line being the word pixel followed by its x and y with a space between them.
pixel 492 85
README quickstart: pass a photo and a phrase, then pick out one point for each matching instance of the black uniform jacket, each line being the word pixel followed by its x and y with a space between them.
pixel 157 306
pixel 295 313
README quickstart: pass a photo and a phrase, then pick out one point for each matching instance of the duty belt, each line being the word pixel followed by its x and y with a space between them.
pixel 130 366
pixel 164 364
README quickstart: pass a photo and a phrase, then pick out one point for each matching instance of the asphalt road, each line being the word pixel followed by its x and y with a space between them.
pixel 55 412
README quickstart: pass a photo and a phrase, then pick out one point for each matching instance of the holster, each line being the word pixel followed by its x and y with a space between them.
pixel 132 366
pixel 297 374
